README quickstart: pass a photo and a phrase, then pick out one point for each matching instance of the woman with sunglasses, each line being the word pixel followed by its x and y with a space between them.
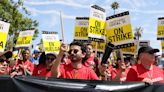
pixel 74 70
pixel 4 63
pixel 45 64
pixel 4 67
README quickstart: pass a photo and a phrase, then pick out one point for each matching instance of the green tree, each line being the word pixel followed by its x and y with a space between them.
pixel 114 6
pixel 9 11
pixel 138 32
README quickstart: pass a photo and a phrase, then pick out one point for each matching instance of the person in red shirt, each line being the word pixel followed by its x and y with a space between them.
pixel 74 70
pixel 23 67
pixel 88 61
pixel 4 63
pixel 146 71
pixel 45 64
pixel 120 73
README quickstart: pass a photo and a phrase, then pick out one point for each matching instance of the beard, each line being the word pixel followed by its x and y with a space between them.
pixel 75 58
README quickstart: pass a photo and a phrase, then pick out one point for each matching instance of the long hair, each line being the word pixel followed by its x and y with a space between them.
pixel 42 59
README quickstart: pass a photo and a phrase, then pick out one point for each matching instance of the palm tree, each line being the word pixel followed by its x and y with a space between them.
pixel 138 32
pixel 114 6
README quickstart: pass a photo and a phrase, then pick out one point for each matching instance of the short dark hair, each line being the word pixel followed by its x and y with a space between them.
pixel 23 51
pixel 83 46
pixel 51 54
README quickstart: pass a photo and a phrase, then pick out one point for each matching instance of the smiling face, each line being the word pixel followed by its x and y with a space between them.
pixel 89 50
pixel 26 54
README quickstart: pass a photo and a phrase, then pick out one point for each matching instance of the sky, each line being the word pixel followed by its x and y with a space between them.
pixel 143 13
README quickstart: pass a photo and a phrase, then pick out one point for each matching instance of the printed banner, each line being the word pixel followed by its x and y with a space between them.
pixel 96 29
pixel 25 38
pixel 4 28
pixel 81 29
pixel 100 46
pixel 40 84
pixel 51 42
pixel 160 29
pixel 119 30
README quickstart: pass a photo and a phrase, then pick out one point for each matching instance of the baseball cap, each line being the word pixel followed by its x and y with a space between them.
pixel 147 49
pixel 36 51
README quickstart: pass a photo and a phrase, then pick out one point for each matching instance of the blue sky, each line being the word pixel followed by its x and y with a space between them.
pixel 143 13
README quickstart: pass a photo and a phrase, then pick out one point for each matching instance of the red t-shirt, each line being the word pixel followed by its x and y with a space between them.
pixel 86 73
pixel 123 74
pixel 139 73
pixel 90 61
pixel 26 64
pixel 41 70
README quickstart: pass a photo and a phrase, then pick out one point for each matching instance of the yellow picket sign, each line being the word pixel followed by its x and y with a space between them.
pixel 51 42
pixel 120 34
pixel 25 38
pixel 130 50
pixel 81 33
pixel 81 28
pixel 118 29
pixel 51 47
pixel 4 28
pixel 96 28
pixel 3 41
pixel 160 29
pixel 100 46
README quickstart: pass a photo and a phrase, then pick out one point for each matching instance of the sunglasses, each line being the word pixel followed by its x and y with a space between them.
pixel 74 51
pixel 2 60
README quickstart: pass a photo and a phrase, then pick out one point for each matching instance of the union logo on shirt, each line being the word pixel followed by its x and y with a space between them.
pixel 153 79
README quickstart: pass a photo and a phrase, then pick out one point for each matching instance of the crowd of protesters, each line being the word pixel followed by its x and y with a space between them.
pixel 80 62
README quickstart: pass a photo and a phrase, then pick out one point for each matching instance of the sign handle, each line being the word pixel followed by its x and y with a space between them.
pixel 121 55
pixel 62 29
pixel 96 49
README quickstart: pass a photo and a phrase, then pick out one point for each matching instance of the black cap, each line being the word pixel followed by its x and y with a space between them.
pixel 7 54
pixel 147 49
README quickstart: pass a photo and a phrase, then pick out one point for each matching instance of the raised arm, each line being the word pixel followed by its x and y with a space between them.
pixel 55 72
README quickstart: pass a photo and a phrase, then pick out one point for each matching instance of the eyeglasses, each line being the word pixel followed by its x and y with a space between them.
pixel 74 51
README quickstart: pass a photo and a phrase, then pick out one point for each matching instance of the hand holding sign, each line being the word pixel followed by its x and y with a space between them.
pixel 63 49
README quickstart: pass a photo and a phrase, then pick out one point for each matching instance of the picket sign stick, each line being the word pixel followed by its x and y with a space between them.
pixel 62 29
pixel 114 55
pixel 19 51
pixel 96 49
pixel 121 55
